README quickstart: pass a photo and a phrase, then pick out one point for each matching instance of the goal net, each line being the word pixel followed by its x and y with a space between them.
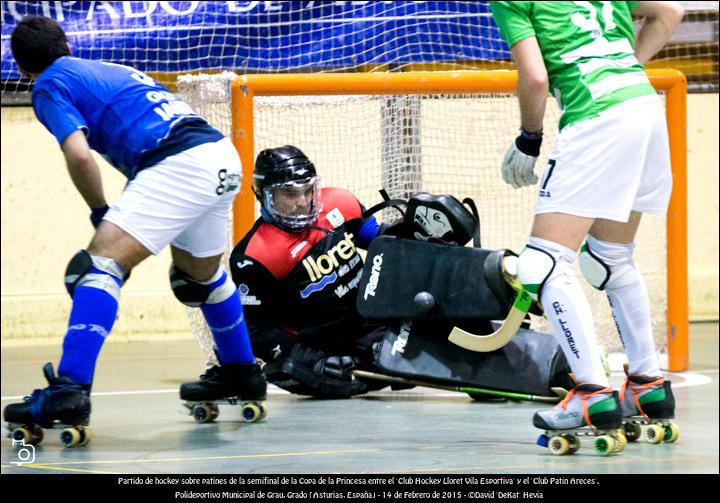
pixel 165 39
pixel 437 142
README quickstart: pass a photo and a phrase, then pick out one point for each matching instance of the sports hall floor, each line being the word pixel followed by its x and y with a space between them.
pixel 137 428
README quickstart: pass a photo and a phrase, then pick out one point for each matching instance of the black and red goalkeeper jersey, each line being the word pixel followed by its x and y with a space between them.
pixel 302 287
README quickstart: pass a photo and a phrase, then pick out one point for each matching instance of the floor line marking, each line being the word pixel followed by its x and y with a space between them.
pixel 43 466
pixel 204 458
pixel 689 379
pixel 494 469
pixel 270 391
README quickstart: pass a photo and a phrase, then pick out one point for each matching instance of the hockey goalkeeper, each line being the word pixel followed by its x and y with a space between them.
pixel 298 271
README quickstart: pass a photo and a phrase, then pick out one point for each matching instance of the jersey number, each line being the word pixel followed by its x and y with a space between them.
pixel 591 23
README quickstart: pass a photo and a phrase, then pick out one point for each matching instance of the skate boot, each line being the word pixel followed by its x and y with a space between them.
pixel 648 404
pixel 241 384
pixel 587 410
pixel 63 404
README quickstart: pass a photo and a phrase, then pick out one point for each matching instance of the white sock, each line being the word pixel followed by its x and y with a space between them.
pixel 569 313
pixel 630 305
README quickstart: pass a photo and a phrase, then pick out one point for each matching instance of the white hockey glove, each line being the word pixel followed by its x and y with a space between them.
pixel 519 161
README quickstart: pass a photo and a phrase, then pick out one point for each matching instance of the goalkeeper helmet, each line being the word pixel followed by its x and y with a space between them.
pixel 288 188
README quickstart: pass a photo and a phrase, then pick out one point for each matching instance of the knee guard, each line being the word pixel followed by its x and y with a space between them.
pixel 195 293
pixel 607 265
pixel 534 267
pixel 98 272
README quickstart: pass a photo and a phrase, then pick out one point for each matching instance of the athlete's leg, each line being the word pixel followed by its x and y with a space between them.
pixel 611 243
pixel 607 262
pixel 546 268
pixel 95 277
pixel 548 263
pixel 217 298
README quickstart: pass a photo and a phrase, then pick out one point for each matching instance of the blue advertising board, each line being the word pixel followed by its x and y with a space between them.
pixel 266 35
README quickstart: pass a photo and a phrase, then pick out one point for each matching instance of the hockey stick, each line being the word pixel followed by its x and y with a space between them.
pixel 560 392
pixel 501 336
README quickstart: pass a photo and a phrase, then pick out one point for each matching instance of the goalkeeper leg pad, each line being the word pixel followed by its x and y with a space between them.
pixel 465 283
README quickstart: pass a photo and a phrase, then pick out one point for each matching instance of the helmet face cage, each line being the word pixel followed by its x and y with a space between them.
pixel 281 201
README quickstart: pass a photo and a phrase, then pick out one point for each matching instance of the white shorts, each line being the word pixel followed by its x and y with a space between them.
pixel 610 165
pixel 183 200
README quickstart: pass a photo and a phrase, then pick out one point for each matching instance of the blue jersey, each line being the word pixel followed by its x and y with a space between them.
pixel 127 117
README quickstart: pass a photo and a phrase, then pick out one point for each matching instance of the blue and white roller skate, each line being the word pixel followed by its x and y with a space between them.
pixel 587 410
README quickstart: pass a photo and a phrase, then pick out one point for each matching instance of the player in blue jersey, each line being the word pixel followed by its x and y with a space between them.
pixel 182 177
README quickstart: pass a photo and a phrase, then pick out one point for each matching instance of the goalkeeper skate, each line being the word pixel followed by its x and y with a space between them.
pixel 240 384
pixel 587 410
pixel 64 404
pixel 648 405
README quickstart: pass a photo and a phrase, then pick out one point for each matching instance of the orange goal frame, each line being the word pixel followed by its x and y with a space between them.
pixel 672 82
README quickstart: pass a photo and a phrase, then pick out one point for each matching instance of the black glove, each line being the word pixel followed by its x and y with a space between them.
pixel 97 214
pixel 338 367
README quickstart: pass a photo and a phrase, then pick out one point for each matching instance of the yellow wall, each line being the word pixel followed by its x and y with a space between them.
pixel 44 222
pixel 703 208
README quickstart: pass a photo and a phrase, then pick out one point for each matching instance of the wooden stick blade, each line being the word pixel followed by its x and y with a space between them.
pixel 497 339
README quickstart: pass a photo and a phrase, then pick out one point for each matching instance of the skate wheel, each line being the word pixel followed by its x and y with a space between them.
pixel 672 433
pixel 85 432
pixel 251 413
pixel 655 433
pixel 559 446
pixel 30 434
pixel 574 444
pixel 71 437
pixel 604 445
pixel 632 431
pixel 205 412
pixel 620 441
pixel 263 412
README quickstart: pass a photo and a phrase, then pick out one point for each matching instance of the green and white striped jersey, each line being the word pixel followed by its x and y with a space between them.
pixel 588 49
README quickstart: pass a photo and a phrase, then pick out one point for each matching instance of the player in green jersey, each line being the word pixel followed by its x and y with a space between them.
pixel 609 165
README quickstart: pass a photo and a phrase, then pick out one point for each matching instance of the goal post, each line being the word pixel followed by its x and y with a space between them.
pixel 246 89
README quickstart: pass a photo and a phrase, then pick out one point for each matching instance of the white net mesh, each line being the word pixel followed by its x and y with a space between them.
pixel 166 39
pixel 440 144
